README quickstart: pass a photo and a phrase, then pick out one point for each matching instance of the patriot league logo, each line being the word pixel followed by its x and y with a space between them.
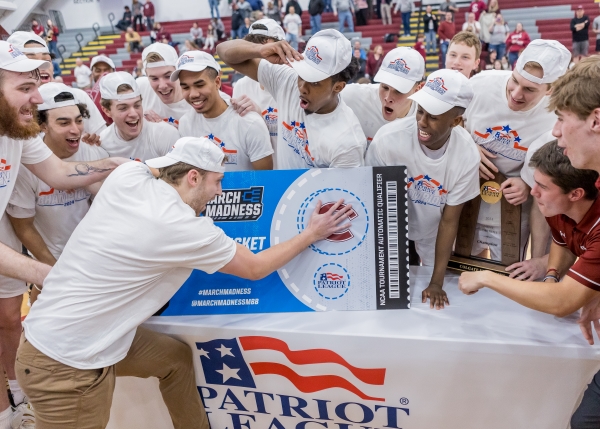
pixel 399 65
pixel 312 54
pixel 437 85
pixel 503 141
pixel 425 190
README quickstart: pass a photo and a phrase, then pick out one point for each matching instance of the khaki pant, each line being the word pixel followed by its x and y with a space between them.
pixel 64 397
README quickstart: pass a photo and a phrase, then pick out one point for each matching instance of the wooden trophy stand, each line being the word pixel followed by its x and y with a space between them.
pixel 510 231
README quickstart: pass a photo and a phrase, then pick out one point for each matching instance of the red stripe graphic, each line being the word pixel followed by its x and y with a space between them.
pixel 309 384
pixel 311 356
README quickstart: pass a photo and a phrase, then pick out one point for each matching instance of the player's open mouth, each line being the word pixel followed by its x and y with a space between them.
pixel 133 124
pixel 198 104
pixel 44 77
pixel 26 113
pixel 304 103
pixel 423 136
pixel 166 93
pixel 388 110
pixel 74 143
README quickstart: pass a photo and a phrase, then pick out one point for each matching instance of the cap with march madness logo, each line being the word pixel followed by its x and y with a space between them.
pixel 12 59
pixel 327 53
pixel 194 61
pixel 401 69
pixel 444 90
pixel 197 151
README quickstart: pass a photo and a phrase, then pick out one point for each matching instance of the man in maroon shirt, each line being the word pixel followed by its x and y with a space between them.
pixel 37 28
pixel 446 32
pixel 477 7
pixel 149 14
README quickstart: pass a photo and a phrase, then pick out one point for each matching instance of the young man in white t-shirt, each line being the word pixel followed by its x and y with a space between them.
pixel 508 112
pixel 245 140
pixel 261 32
pixel 131 135
pixel 35 48
pixel 20 143
pixel 316 128
pixel 442 164
pixel 83 74
pixel 399 77
pixel 293 27
pixel 138 243
pixel 463 53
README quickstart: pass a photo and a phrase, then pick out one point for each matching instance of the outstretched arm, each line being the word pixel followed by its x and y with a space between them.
pixel 72 175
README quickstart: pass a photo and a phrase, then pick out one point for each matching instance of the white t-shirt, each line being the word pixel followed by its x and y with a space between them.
pixel 95 124
pixel 154 140
pixel 56 213
pixel 502 131
pixel 244 139
pixel 337 139
pixel 82 76
pixel 133 250
pixel 476 26
pixel 365 103
pixel 292 23
pixel 452 179
pixel 266 103
pixel 527 171
pixel 171 113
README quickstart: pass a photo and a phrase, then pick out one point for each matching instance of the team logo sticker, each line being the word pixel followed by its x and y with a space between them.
pixel 331 281
pixel 236 205
pixel 502 140
pixel 399 65
pixel 425 190
pixel 490 192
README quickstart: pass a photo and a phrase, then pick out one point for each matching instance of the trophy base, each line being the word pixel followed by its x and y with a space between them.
pixel 460 264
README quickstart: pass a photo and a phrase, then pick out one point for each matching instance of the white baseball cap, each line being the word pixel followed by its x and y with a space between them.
pixel 194 61
pixel 102 59
pixel 273 30
pixel 550 54
pixel 327 53
pixel 401 68
pixel 20 39
pixel 110 82
pixel 12 59
pixel 444 90
pixel 49 92
pixel 197 151
pixel 167 52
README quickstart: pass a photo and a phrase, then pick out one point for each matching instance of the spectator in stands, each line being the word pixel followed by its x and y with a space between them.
pixel 57 71
pixel 596 30
pixel 385 8
pixel 344 10
pixel 498 65
pixel 498 33
pixel 273 11
pixel 188 45
pixel 374 60
pixel 133 40
pixel 245 28
pixel 430 25
pixel 214 8
pixel 420 47
pixel 505 64
pixel 237 20
pixel 516 42
pixel 138 70
pixel 82 74
pixel 362 66
pixel 448 6
pixel 219 27
pixel 137 10
pixel 196 34
pixel 292 24
pixel 295 5
pixel 149 14
pixel 58 79
pixel 257 7
pixel 162 34
pixel 493 7
pixel 446 32
pixel 52 39
pixel 486 20
pixel 490 64
pixel 245 8
pixel 211 38
pixel 406 7
pixel 357 45
pixel 101 64
pixel 476 7
pixel 211 115
pixel 463 53
pixel 471 24
pixel 315 9
pixel 579 28
pixel 126 20
pixel 362 12
pixel 37 28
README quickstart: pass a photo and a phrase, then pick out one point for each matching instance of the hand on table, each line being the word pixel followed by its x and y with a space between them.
pixel 436 295
pixel 470 282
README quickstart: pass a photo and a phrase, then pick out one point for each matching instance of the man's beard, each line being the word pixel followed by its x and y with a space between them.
pixel 10 125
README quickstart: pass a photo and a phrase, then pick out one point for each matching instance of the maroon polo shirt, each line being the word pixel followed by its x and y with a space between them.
pixel 583 240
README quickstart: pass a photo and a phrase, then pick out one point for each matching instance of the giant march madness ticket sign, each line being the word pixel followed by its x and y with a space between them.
pixel 362 268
